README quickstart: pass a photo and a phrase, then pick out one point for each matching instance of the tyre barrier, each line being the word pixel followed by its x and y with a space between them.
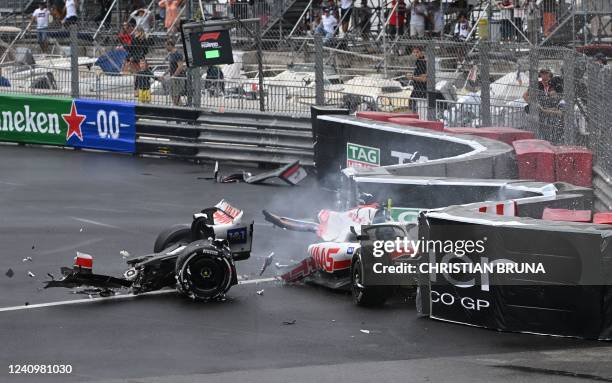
pixel 572 298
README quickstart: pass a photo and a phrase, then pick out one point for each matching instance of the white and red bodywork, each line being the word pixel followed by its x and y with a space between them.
pixel 325 257
pixel 335 254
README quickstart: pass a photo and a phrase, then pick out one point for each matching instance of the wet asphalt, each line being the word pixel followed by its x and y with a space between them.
pixel 54 202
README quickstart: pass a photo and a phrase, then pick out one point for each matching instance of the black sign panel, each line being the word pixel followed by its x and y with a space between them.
pixel 565 300
pixel 208 46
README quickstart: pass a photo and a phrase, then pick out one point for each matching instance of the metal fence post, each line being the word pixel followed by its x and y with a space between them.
pixel 533 119
pixel 260 71
pixel 384 41
pixel 430 57
pixel 485 89
pixel 605 158
pixel 23 14
pixel 569 94
pixel 74 62
pixel 118 15
pixel 195 78
pixel 319 72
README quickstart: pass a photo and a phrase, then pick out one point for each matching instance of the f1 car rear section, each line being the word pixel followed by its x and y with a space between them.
pixel 197 259
pixel 338 262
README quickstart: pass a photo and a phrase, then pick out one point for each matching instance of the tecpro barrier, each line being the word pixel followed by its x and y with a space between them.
pixel 557 273
pixel 64 122
pixel 569 296
pixel 348 141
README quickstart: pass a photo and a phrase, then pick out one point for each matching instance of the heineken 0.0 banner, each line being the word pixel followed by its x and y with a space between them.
pixel 57 121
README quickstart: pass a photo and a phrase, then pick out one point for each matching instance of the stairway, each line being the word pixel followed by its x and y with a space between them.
pixel 567 28
pixel 282 25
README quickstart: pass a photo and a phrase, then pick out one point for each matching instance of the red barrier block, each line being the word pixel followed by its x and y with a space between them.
pixel 432 125
pixel 507 135
pixel 384 116
pixel 604 218
pixel 535 160
pixel 566 215
pixel 574 165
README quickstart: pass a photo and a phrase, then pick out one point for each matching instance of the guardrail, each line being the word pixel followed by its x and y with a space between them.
pixel 469 114
pixel 209 135
pixel 188 133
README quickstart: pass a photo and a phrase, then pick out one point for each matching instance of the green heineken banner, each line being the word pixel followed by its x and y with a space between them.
pixel 36 120
pixel 59 121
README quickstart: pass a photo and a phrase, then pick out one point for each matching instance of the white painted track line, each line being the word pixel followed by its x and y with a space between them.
pixel 114 297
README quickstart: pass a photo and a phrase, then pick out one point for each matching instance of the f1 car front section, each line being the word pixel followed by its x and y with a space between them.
pixel 197 259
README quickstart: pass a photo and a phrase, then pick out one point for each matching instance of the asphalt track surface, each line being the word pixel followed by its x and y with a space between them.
pixel 54 202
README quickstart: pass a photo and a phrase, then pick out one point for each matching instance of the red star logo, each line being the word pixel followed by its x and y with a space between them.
pixel 74 121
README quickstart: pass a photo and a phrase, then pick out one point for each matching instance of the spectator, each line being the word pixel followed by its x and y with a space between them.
pixel 105 7
pixel 234 9
pixel 143 19
pixel 601 59
pixel 506 7
pixel 138 49
pixel 125 35
pixel 142 82
pixel 176 73
pixel 214 84
pixel 70 10
pixel 364 16
pixel 315 23
pixel 331 6
pixel 136 5
pixel 419 78
pixel 519 15
pixel 438 19
pixel 4 82
pixel 549 102
pixel 398 18
pixel 41 18
pixel 532 14
pixel 462 28
pixel 458 7
pixel 418 13
pixel 547 85
pixel 172 14
pixel 328 25
pixel 549 12
pixel 346 9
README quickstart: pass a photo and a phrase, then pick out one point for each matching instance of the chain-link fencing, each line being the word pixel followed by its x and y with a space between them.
pixel 555 92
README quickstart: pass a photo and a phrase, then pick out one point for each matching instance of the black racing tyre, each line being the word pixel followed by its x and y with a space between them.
pixel 365 296
pixel 172 235
pixel 202 275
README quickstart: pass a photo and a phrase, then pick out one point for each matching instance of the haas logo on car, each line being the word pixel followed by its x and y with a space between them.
pixel 331 256
pixel 209 40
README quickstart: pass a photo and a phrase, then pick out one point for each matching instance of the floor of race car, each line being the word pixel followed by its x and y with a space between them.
pixel 54 202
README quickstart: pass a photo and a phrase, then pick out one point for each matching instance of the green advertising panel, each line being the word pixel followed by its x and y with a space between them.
pixel 405 215
pixel 32 119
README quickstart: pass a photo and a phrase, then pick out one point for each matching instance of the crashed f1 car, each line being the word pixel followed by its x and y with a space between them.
pixel 197 259
pixel 337 263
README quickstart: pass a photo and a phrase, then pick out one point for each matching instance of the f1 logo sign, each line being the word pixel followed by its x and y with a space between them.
pixel 210 36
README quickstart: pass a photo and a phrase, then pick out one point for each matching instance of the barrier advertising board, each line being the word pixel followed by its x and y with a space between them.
pixel 65 122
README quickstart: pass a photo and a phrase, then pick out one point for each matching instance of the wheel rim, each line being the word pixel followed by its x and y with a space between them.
pixel 357 285
pixel 207 275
